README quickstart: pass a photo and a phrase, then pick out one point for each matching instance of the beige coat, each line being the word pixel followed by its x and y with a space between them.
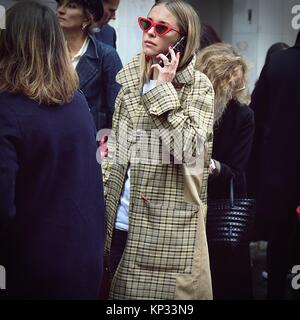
pixel 166 254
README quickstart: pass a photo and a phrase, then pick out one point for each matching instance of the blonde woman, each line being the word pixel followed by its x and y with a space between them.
pixel 51 197
pixel 156 243
pixel 233 135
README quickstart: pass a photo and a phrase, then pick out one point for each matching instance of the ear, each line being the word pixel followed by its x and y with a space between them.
pixel 89 19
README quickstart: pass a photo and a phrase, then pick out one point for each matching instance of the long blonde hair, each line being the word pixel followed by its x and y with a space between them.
pixel 189 24
pixel 34 59
pixel 220 63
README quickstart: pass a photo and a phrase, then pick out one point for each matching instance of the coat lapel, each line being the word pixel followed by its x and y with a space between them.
pixel 86 70
pixel 87 66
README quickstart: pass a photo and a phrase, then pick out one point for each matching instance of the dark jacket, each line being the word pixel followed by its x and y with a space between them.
pixel 97 70
pixel 232 145
pixel 276 103
pixel 107 35
pixel 51 199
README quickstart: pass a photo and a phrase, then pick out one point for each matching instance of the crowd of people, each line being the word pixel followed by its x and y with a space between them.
pixel 184 131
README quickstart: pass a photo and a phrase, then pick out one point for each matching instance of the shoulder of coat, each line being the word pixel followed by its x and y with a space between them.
pixel 130 74
pixel 202 79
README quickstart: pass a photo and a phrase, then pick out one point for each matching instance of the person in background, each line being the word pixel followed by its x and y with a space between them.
pixel 107 33
pixel 261 135
pixel 276 47
pixel 156 245
pixel 208 36
pixel 96 63
pixel 51 196
pixel 233 134
pixel 277 97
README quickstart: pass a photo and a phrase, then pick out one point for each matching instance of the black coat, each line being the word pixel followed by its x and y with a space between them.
pixel 97 70
pixel 275 165
pixel 276 156
pixel 51 199
pixel 232 145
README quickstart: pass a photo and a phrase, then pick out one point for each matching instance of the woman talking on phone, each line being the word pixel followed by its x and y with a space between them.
pixel 157 165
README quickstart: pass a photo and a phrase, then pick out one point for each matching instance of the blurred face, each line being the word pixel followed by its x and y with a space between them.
pixel 109 11
pixel 71 15
pixel 153 44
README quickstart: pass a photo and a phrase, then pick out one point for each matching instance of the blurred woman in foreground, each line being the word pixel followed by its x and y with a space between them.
pixel 51 197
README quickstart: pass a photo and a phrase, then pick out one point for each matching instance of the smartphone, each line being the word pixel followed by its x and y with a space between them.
pixel 179 46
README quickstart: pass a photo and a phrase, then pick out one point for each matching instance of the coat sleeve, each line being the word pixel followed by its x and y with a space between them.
pixel 106 163
pixel 259 104
pixel 118 150
pixel 183 129
pixel 9 139
pixel 259 98
pixel 240 153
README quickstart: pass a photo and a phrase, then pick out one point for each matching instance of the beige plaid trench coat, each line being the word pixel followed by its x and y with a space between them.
pixel 166 255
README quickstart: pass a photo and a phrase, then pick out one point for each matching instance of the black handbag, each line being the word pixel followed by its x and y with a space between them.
pixel 230 221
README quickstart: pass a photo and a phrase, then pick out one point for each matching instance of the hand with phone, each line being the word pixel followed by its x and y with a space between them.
pixel 179 46
pixel 168 72
pixel 168 64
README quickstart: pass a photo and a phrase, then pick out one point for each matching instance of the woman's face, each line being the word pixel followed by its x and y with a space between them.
pixel 71 15
pixel 154 44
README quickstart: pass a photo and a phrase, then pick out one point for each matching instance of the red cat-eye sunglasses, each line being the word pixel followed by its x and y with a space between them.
pixel 160 28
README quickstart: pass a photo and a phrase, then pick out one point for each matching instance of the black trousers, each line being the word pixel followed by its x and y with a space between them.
pixel 231 272
pixel 282 254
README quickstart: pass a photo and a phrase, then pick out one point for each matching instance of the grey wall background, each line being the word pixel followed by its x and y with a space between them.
pixel 271 21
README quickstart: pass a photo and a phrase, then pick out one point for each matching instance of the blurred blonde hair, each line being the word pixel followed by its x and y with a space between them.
pixel 221 63
pixel 189 25
pixel 34 58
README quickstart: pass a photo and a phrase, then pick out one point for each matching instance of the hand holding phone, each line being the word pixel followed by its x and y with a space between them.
pixel 179 46
pixel 163 74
